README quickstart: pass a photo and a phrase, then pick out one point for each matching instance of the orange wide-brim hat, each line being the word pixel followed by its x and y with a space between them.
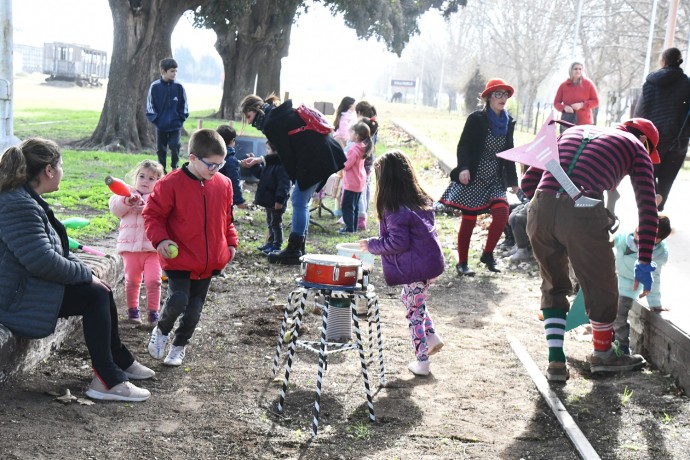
pixel 497 84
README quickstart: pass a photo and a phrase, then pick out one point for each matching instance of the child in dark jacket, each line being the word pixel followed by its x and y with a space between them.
pixel 409 247
pixel 272 193
pixel 231 169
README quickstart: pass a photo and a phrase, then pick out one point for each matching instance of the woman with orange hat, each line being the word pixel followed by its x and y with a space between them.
pixel 478 184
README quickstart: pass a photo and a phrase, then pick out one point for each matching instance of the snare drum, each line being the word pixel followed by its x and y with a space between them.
pixel 330 270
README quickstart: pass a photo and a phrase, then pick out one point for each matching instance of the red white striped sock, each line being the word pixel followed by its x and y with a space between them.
pixel 602 335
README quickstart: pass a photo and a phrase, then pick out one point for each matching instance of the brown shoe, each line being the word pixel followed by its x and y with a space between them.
pixel 615 362
pixel 557 372
pixel 124 391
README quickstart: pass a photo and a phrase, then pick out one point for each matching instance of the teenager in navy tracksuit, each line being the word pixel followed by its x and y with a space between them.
pixel 166 108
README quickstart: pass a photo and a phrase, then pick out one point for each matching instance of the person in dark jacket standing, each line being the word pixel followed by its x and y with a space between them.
pixel 410 251
pixel 478 184
pixel 272 193
pixel 665 101
pixel 308 156
pixel 166 108
pixel 231 169
pixel 41 280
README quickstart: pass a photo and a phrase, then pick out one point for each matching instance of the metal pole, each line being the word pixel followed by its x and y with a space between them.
pixel 649 41
pixel 7 137
pixel 577 31
pixel 671 23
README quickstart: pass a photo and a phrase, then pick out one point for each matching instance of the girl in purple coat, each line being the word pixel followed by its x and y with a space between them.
pixel 409 247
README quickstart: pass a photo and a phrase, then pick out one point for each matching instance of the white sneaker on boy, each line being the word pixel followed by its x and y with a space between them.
pixel 157 343
pixel 175 356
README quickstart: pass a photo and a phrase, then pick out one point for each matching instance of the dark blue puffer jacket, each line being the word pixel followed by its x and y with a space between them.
pixel 665 102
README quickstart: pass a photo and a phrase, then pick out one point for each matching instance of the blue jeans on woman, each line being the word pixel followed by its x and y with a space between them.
pixel 300 208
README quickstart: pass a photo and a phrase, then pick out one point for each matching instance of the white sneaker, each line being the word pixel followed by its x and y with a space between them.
pixel 175 356
pixel 521 255
pixel 138 371
pixel 434 344
pixel 419 367
pixel 124 391
pixel 157 343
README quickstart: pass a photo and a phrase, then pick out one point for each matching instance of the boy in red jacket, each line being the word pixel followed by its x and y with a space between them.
pixel 188 218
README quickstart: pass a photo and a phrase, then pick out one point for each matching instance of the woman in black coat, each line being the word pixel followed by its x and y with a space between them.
pixel 308 156
pixel 665 101
pixel 478 183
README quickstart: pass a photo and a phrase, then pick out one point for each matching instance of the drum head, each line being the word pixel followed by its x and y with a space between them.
pixel 330 260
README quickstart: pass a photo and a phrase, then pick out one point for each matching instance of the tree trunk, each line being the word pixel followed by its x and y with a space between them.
pixel 255 47
pixel 142 33
pixel 238 66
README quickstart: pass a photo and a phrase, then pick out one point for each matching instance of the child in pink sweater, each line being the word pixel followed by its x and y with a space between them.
pixel 139 256
pixel 354 175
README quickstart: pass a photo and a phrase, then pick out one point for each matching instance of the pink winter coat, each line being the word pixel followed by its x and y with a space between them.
pixel 354 175
pixel 131 237
pixel 342 131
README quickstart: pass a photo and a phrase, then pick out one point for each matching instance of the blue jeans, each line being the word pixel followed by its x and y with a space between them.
pixel 300 208
pixel 168 139
pixel 350 209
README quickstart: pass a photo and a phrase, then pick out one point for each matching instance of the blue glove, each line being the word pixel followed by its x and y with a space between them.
pixel 643 274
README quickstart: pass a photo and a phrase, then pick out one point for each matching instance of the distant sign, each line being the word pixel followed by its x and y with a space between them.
pixel 404 83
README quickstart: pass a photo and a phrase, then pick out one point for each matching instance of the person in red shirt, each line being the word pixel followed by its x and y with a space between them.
pixel 576 97
pixel 188 219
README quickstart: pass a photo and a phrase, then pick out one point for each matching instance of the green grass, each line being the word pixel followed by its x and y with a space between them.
pixel 62 124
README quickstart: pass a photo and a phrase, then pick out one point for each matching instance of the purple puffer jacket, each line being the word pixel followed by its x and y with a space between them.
pixel 409 247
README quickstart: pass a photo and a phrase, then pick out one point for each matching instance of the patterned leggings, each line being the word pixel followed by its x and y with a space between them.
pixel 414 298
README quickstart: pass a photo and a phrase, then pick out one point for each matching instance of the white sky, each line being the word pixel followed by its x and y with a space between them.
pixel 324 54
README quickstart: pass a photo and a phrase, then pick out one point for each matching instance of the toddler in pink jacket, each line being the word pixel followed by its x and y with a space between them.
pixel 139 256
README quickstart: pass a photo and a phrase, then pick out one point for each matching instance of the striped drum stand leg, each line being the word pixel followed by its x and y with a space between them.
pixel 377 318
pixel 288 311
pixel 362 360
pixel 370 321
pixel 322 361
pixel 291 350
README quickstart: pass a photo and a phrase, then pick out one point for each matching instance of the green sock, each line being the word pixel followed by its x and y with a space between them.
pixel 554 326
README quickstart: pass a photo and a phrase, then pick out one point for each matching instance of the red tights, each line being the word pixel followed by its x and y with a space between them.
pixel 499 219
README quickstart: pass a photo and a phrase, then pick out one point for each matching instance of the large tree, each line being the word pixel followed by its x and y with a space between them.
pixel 255 37
pixel 252 38
pixel 253 41
pixel 142 37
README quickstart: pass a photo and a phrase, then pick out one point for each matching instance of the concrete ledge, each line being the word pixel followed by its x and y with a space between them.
pixel 661 342
pixel 447 160
pixel 19 354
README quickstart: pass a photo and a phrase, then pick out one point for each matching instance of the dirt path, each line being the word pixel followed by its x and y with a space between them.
pixel 478 403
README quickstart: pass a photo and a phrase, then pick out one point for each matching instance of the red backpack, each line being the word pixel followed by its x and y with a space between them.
pixel 315 121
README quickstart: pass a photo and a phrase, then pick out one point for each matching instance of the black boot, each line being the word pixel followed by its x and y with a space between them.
pixel 488 259
pixel 464 270
pixel 291 254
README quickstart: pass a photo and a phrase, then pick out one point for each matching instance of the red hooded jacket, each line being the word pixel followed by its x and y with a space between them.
pixel 197 216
